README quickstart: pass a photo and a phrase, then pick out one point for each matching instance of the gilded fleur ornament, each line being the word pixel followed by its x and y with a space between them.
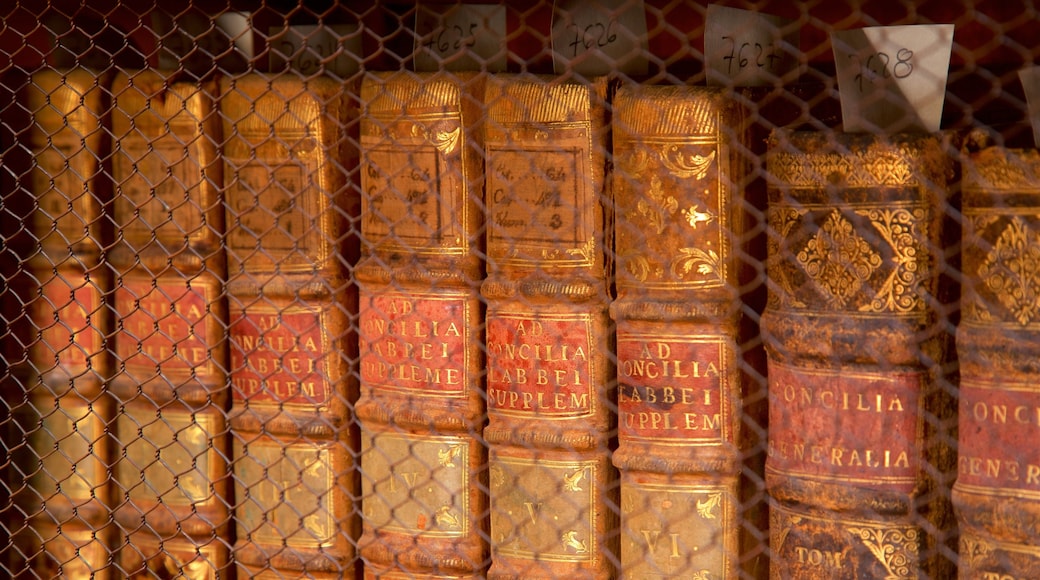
pixel 571 482
pixel 708 506
pixel 896 549
pixel 447 141
pixel 1011 271
pixel 446 457
pixel 444 517
pixel 659 206
pixel 684 165
pixel 838 260
pixel 694 216
pixel 570 540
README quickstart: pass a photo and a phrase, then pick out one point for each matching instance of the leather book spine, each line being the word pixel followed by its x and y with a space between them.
pixel 170 342
pixel 678 187
pixel 997 493
pixel 291 303
pixel 424 499
pixel 858 452
pixel 550 371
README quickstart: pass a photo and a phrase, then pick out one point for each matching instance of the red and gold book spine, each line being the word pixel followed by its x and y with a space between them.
pixel 858 456
pixel 997 493
pixel 65 498
pixel 549 342
pixel 678 187
pixel 424 499
pixel 291 302
pixel 170 344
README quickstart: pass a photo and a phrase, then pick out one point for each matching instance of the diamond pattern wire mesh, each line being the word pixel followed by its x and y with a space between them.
pixel 183 260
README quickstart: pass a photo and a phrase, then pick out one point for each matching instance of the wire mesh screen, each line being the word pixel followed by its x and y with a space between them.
pixel 437 290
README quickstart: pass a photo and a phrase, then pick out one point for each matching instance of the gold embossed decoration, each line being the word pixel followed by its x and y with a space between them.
pixel 838 260
pixel 661 206
pixel 657 211
pixel 686 166
pixel 708 506
pixel 782 220
pixel 572 542
pixel 696 260
pixel 973 551
pixel 898 227
pixel 447 141
pixel 896 549
pixel 1011 270
pixel 871 168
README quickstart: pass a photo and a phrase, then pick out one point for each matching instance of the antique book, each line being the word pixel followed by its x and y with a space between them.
pixel 170 343
pixel 64 412
pixel 679 184
pixel 549 338
pixel 997 493
pixel 290 301
pixel 859 458
pixel 424 499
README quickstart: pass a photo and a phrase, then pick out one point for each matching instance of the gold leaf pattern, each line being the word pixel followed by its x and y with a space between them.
pixel 585 251
pixel 635 163
pixel 1005 173
pixel 640 268
pixel 899 227
pixel 656 212
pixel 702 575
pixel 1012 271
pixel 708 506
pixel 686 166
pixel 446 456
pixel 779 529
pixel 447 141
pixel 870 168
pixel 694 216
pixel 896 549
pixel 445 518
pixel 497 476
pixel 782 220
pixel 570 540
pixel 838 260
pixel 570 482
pixel 706 263
pixel 973 550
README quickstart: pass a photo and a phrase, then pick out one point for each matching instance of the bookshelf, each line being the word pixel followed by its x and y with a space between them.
pixel 341 42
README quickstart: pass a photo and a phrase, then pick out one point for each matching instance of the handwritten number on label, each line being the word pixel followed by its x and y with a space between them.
pixel 596 34
pixel 904 67
pixel 452 38
pixel 764 56
pixel 875 69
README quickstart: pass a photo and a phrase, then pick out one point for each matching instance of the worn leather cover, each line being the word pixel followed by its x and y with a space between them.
pixel 997 493
pixel 424 491
pixel 289 210
pixel 549 339
pixel 170 346
pixel 679 186
pixel 65 414
pixel 859 449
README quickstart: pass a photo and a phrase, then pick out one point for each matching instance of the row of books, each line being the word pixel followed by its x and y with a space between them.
pixel 457 325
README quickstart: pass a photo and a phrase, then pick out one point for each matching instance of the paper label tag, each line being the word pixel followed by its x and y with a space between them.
pixel 744 48
pixel 306 48
pixel 192 41
pixel 1030 78
pixel 892 78
pixel 460 37
pixel 598 37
